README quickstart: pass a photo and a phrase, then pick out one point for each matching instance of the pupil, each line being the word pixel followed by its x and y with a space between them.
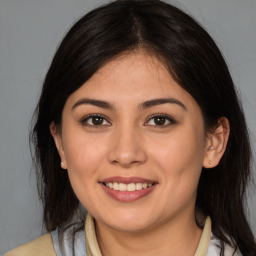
pixel 159 120
pixel 97 120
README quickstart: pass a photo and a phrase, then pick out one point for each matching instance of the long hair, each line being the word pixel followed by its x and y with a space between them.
pixel 193 60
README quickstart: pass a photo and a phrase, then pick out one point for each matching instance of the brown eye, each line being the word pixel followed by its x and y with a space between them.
pixel 95 120
pixel 160 120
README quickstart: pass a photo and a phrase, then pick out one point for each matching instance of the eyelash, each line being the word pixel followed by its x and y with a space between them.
pixel 165 117
pixel 84 121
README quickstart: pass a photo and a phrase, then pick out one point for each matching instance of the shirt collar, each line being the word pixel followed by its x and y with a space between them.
pixel 92 246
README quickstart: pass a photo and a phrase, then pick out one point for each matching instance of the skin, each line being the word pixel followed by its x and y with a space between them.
pixel 130 143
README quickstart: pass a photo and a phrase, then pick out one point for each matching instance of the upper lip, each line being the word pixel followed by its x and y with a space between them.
pixel 127 180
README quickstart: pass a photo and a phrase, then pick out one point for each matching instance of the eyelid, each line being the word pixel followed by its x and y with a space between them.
pixel 168 117
pixel 84 120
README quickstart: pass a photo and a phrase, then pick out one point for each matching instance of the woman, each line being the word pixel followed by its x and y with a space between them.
pixel 139 123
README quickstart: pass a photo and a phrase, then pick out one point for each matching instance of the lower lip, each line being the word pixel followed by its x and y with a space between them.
pixel 127 196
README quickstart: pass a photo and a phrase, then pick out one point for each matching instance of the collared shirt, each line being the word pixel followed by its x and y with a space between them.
pixel 84 243
pixel 208 245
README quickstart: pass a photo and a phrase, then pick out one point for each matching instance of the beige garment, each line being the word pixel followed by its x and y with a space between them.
pixel 205 239
pixel 93 249
pixel 43 245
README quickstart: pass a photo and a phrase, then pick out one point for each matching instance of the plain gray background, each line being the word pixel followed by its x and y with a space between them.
pixel 30 31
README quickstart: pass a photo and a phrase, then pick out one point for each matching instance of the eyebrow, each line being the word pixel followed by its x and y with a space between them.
pixel 155 102
pixel 144 105
pixel 97 103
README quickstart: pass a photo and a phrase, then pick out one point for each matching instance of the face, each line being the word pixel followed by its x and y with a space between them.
pixel 133 142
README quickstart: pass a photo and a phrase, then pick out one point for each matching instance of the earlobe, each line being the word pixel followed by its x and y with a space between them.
pixel 216 143
pixel 58 143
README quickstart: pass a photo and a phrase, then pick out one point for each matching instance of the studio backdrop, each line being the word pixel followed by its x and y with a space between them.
pixel 30 31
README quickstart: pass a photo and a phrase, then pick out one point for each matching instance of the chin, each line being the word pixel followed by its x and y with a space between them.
pixel 130 227
pixel 128 222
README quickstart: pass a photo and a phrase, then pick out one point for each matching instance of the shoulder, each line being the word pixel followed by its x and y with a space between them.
pixel 41 246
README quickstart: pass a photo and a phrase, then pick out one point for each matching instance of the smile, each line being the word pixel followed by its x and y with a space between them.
pixel 127 187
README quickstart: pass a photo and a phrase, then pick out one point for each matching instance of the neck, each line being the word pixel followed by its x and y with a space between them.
pixel 166 239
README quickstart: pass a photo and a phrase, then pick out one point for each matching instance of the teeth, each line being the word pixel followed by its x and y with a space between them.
pixel 128 187
pixel 115 186
pixel 138 186
pixel 131 187
pixel 122 187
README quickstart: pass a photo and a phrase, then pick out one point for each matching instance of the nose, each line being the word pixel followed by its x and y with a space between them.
pixel 127 148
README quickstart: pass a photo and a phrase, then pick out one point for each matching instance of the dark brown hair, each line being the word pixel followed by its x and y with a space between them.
pixel 194 61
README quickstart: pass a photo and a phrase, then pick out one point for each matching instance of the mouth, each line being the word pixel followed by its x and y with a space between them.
pixel 127 189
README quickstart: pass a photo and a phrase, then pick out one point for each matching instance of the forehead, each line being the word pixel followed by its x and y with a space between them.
pixel 130 78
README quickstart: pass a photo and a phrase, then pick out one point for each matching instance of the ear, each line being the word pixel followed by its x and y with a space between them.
pixel 216 143
pixel 58 143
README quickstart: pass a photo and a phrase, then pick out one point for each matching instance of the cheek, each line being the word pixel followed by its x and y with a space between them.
pixel 84 154
pixel 180 157
pixel 181 166
pixel 179 151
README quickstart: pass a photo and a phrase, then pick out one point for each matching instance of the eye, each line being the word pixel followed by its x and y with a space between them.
pixel 95 120
pixel 160 120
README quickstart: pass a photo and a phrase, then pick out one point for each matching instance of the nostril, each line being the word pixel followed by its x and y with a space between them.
pixel 127 159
